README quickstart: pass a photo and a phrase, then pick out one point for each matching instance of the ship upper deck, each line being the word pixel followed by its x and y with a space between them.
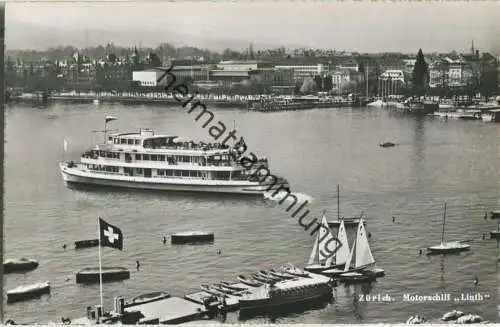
pixel 146 141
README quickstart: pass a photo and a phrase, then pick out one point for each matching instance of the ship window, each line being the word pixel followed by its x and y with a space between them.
pixel 185 173
pixel 145 157
pixel 130 141
pixel 123 141
pixel 161 157
pixel 185 159
pixel 154 157
pixel 170 172
pixel 110 138
pixel 139 170
pixel 193 173
pixel 137 142
pixel 137 156
pixel 177 173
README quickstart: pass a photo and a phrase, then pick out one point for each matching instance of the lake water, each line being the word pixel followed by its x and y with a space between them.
pixel 434 162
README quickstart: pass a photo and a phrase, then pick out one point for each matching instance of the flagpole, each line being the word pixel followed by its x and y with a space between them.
pixel 100 267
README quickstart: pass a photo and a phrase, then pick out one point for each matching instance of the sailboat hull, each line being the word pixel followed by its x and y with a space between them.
pixel 321 269
pixel 350 278
pixel 448 250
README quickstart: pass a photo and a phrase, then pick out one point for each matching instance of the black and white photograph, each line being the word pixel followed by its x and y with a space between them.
pixel 250 162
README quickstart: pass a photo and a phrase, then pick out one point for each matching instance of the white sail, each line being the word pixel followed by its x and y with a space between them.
pixel 343 252
pixel 327 242
pixel 364 255
pixel 314 253
pixel 349 259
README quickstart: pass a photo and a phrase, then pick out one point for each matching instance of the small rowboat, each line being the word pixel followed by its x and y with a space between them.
pixel 27 292
pixel 19 265
pixel 211 290
pixel 147 298
pixel 291 270
pixel 282 275
pixel 249 282
pixel 232 287
pixel 452 315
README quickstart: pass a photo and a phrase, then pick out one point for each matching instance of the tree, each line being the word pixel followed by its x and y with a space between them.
pixel 420 74
pixel 327 84
pixel 309 86
pixel 361 67
pixel 319 82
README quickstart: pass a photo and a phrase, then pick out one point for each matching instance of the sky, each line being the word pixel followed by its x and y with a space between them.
pixel 364 26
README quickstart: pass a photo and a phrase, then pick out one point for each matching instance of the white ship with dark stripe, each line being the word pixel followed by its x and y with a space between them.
pixel 144 160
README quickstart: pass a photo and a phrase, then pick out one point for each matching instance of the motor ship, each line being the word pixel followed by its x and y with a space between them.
pixel 287 292
pixel 145 160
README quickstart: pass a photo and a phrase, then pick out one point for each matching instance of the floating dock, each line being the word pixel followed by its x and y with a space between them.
pixel 173 310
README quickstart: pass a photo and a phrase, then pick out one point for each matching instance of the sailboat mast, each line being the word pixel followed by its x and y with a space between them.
pixel 338 202
pixel 444 221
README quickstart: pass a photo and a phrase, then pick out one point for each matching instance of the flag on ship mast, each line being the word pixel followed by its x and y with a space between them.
pixel 110 236
pixel 109 118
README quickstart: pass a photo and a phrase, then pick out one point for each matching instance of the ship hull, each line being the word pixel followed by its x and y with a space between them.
pixel 75 176
pixel 278 301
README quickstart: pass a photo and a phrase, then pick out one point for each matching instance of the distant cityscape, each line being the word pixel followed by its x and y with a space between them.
pixel 272 71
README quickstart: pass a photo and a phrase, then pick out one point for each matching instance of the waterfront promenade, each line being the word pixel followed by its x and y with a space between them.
pixel 263 103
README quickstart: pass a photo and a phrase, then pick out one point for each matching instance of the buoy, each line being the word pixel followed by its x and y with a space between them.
pixel 164 240
pixel 476 281
pixel 420 252
pixel 137 264
pixel 393 219
pixel 369 235
pixel 219 252
pixel 64 246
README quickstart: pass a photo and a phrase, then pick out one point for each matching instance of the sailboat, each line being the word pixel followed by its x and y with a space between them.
pixel 351 221
pixel 447 247
pixel 364 268
pixel 319 259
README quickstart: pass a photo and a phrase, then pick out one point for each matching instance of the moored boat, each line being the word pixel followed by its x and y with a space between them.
pixel 233 287
pixel 295 271
pixel 495 214
pixel 91 275
pixel 359 262
pixel 322 253
pixel 145 160
pixel 281 274
pixel 249 282
pixel 452 315
pixel 287 292
pixel 264 279
pixel 211 290
pixel 470 319
pixel 19 265
pixel 147 298
pixel 447 247
pixel 27 292
pixel 192 237
pixel 86 243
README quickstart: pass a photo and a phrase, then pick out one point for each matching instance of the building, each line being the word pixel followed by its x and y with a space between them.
pixel 450 71
pixel 243 65
pixel 342 77
pixel 149 77
pixel 301 72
